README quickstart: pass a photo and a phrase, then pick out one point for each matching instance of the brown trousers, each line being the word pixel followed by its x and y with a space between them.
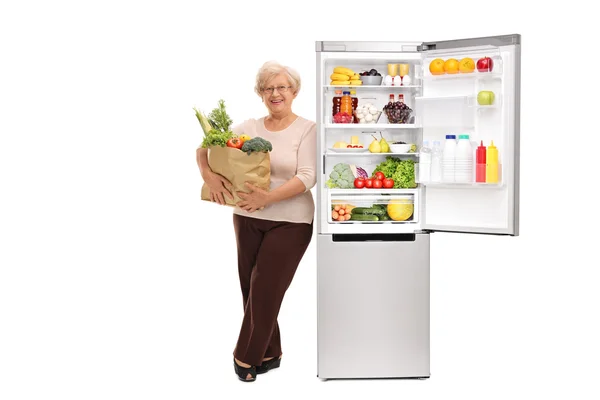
pixel 268 255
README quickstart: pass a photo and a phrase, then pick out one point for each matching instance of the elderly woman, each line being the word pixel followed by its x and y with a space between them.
pixel 272 228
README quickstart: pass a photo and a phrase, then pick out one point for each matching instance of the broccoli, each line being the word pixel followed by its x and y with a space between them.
pixel 341 177
pixel 257 145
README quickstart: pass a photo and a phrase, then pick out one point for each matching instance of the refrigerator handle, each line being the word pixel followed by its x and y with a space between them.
pixel 323 164
pixel 374 237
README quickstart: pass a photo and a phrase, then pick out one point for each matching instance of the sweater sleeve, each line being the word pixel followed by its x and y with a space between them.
pixel 306 170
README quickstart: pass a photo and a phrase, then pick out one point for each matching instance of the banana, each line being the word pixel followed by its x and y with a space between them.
pixel 344 70
pixel 356 77
pixel 340 83
pixel 339 77
pixel 356 83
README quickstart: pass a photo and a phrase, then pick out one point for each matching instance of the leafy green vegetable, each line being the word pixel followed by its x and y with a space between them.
pixel 341 177
pixel 216 138
pixel 216 127
pixel 401 171
pixel 257 145
pixel 219 119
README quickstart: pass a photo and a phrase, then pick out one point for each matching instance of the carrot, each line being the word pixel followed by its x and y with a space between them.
pixel 342 212
pixel 334 215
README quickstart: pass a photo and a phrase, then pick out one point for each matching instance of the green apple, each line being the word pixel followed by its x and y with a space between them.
pixel 485 98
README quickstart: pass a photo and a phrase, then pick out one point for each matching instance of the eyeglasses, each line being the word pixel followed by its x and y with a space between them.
pixel 280 89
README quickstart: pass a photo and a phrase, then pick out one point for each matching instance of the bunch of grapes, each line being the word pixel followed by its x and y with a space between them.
pixel 397 112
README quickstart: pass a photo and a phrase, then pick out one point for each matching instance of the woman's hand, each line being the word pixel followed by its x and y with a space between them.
pixel 217 185
pixel 254 200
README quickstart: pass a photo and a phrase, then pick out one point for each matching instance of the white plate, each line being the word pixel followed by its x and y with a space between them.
pixel 347 150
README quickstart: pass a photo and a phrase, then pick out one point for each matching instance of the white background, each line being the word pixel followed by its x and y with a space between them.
pixel 117 282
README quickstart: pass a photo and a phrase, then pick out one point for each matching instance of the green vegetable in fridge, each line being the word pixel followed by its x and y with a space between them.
pixel 401 171
pixel 368 211
pixel 363 217
pixel 341 177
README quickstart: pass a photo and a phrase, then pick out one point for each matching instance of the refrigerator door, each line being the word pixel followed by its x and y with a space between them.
pixel 373 306
pixel 450 105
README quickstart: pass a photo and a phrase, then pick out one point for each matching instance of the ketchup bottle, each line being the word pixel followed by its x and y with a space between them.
pixel 480 163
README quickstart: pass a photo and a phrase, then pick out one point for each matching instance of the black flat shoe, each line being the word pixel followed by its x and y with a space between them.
pixel 242 372
pixel 266 366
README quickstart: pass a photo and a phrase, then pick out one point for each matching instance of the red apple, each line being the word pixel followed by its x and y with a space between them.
pixel 485 64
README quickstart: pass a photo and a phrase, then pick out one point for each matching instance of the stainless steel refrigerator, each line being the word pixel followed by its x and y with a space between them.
pixel 373 275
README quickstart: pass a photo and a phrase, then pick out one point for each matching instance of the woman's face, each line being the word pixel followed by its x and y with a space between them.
pixel 278 101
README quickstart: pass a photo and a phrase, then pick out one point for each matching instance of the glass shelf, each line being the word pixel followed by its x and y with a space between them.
pixel 371 87
pixel 472 75
pixel 458 185
pixel 371 126
pixel 367 191
pixel 369 154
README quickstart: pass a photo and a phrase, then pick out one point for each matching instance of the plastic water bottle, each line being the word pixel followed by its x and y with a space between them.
pixel 436 162
pixel 425 162
pixel 449 156
pixel 463 164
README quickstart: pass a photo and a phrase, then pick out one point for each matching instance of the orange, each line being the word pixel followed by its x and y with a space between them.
pixel 451 66
pixel 436 67
pixel 466 65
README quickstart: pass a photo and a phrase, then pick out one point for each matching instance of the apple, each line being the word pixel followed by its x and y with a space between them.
pixel 485 98
pixel 485 64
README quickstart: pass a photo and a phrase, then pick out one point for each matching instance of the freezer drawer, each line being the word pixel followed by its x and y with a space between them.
pixel 373 306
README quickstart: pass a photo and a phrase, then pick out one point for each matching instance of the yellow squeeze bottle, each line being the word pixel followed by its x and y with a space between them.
pixel 491 171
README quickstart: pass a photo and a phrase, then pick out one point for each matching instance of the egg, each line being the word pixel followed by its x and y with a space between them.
pixel 388 80
pixel 406 80
pixel 360 115
pixel 368 118
pixel 368 105
pixel 397 80
pixel 373 110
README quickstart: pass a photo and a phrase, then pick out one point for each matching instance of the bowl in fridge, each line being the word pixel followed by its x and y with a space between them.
pixel 400 148
pixel 371 80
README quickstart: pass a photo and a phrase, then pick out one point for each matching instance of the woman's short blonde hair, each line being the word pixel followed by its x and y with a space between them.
pixel 271 69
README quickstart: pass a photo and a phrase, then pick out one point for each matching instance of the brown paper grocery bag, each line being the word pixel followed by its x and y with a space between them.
pixel 238 168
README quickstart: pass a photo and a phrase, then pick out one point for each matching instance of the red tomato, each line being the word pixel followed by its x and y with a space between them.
pixel 377 183
pixel 359 183
pixel 236 143
pixel 380 175
pixel 388 183
pixel 349 146
pixel 369 182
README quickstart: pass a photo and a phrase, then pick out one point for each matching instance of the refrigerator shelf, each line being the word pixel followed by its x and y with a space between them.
pixel 371 87
pixel 375 192
pixel 458 185
pixel 369 154
pixel 473 75
pixel 371 126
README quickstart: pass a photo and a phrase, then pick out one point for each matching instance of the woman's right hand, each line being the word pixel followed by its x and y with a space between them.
pixel 218 186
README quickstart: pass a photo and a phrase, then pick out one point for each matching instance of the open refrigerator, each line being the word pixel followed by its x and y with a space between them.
pixel 373 274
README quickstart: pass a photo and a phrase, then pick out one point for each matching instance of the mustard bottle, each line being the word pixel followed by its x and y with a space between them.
pixel 491 172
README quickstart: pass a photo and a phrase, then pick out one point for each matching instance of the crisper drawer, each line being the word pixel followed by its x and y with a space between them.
pixel 350 207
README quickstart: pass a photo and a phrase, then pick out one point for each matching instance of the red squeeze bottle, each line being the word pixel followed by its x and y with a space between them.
pixel 480 163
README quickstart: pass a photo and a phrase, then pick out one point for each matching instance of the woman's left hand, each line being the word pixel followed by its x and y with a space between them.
pixel 255 200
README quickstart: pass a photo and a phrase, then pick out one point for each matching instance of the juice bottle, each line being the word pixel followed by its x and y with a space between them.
pixel 337 102
pixel 354 105
pixel 346 106
pixel 491 175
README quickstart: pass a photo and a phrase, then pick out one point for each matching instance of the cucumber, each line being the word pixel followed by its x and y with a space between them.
pixel 368 211
pixel 384 217
pixel 363 217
